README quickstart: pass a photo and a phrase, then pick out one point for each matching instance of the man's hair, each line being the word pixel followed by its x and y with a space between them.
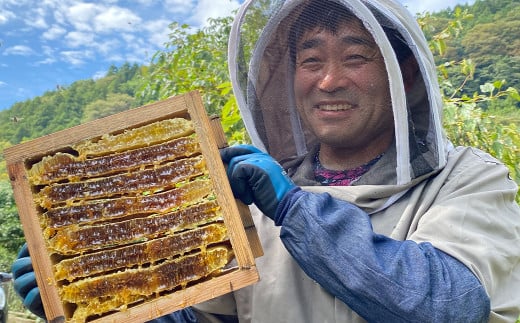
pixel 329 15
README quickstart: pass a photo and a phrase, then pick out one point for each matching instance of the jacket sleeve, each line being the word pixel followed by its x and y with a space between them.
pixel 378 277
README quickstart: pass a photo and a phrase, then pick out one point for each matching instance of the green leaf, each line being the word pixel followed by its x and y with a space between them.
pixel 498 84
pixel 487 88
pixel 513 93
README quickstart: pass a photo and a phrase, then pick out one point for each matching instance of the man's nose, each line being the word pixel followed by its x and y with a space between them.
pixel 333 78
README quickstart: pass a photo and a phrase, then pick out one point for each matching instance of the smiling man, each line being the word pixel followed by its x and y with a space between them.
pixel 338 70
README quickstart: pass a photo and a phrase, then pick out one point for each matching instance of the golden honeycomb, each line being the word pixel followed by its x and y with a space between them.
pixel 129 216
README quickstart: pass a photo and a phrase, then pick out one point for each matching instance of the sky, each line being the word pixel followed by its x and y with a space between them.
pixel 47 44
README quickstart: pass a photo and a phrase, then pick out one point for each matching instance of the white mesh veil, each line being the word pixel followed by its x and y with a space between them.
pixel 262 76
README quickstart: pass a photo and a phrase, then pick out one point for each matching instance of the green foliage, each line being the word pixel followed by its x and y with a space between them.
pixel 487 34
pixel 115 102
pixel 465 118
pixel 68 106
pixel 197 60
pixel 11 234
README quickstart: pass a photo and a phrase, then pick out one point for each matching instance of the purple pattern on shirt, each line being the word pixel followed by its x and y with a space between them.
pixel 330 177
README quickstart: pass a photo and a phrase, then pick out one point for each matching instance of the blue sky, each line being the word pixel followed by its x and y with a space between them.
pixel 49 43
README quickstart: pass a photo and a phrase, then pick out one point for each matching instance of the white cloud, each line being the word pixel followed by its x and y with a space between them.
pixel 5 15
pixel 2 84
pixel 59 12
pixel 54 32
pixel 48 51
pixel 134 58
pixel 36 18
pixel 116 19
pixel 47 61
pixel 146 3
pixel 97 17
pixel 106 47
pixel 99 74
pixel 212 9
pixel 77 39
pixel 178 6
pixel 158 30
pixel 115 57
pixel 431 5
pixel 129 38
pixel 76 57
pixel 49 57
pixel 20 50
pixel 81 15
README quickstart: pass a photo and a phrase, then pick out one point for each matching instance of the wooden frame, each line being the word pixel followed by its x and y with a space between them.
pixel 237 218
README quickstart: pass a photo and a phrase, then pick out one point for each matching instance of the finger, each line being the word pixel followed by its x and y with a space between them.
pixel 24 251
pixel 234 161
pixel 230 152
pixel 24 284
pixel 33 302
pixel 239 180
pixel 21 266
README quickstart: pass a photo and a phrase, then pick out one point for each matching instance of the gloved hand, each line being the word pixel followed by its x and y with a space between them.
pixel 255 177
pixel 228 153
pixel 25 282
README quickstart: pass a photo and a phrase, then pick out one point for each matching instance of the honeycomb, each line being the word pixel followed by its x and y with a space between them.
pixel 153 179
pixel 128 217
pixel 63 166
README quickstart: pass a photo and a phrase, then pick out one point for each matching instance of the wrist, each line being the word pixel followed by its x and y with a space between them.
pixel 285 204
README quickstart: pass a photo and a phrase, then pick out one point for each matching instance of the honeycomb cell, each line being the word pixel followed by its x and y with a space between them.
pixel 92 295
pixel 111 209
pixel 75 239
pixel 146 135
pixel 157 178
pixel 129 217
pixel 141 253
pixel 63 166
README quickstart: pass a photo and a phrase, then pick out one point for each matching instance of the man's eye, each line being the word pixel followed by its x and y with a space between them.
pixel 310 63
pixel 356 59
pixel 308 60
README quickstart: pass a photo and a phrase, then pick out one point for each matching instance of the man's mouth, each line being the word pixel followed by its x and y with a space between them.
pixel 335 107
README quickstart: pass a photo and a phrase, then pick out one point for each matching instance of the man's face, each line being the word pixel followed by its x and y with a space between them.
pixel 342 89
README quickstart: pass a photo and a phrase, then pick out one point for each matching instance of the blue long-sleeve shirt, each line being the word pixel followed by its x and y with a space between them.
pixel 380 278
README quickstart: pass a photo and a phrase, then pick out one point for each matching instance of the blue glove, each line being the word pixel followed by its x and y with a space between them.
pixel 25 282
pixel 230 152
pixel 255 177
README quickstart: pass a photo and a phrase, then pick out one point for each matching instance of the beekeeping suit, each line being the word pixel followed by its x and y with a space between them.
pixel 427 230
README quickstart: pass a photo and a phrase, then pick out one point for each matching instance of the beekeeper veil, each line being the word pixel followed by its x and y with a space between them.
pixel 262 73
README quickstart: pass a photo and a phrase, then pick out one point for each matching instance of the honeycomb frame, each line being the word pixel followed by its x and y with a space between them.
pixel 236 218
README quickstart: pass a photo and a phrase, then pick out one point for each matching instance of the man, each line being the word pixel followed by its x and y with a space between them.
pixel 373 215
pixel 382 219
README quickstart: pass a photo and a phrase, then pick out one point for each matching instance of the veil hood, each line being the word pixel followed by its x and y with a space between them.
pixel 262 76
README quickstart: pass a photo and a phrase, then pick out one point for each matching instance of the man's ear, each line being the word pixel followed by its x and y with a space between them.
pixel 409 69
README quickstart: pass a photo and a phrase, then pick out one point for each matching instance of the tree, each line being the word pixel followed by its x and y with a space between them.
pixel 11 234
pixel 197 60
pixel 115 102
pixel 466 123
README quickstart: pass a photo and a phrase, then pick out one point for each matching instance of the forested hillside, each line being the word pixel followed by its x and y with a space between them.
pixel 68 106
pixel 490 39
pixel 476 48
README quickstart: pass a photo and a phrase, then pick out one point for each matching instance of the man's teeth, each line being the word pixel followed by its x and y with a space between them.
pixel 335 107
